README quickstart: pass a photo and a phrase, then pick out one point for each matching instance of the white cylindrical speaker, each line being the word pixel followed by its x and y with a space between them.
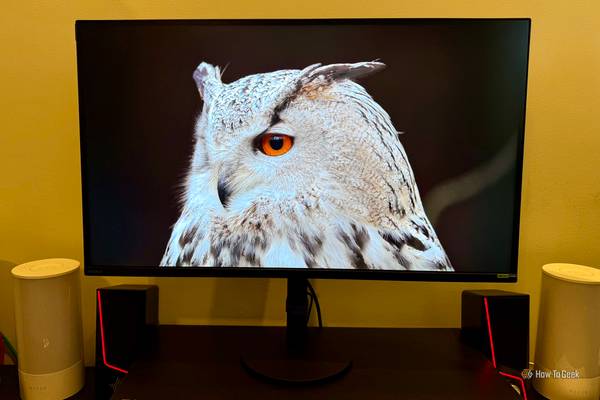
pixel 49 328
pixel 567 353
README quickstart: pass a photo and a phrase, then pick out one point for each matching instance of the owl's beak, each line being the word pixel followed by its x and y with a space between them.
pixel 223 190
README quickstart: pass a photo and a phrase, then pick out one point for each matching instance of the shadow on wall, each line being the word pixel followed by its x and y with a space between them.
pixel 190 301
pixel 7 302
pixel 240 299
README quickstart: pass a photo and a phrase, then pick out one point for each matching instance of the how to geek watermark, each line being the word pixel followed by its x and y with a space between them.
pixel 545 374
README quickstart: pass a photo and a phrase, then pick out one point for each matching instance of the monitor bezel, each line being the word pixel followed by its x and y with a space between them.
pixel 320 273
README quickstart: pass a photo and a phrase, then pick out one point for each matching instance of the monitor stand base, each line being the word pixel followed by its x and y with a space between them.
pixel 298 363
pixel 295 371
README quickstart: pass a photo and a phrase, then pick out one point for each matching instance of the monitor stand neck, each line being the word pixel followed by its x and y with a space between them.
pixel 298 364
pixel 296 308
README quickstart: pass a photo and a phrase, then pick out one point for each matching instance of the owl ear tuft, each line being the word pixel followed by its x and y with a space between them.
pixel 333 72
pixel 208 80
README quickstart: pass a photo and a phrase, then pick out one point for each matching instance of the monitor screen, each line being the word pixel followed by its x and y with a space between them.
pixel 375 149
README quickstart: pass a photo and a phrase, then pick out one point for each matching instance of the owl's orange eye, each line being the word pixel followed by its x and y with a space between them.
pixel 275 144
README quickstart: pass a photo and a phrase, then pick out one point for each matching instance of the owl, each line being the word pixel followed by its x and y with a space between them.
pixel 299 169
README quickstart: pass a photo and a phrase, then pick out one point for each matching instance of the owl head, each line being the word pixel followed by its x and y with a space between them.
pixel 301 134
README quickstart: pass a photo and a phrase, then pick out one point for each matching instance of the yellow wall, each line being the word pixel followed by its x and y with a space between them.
pixel 40 210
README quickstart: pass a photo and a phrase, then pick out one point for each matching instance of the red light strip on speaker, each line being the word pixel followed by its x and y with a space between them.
pixel 489 325
pixel 102 338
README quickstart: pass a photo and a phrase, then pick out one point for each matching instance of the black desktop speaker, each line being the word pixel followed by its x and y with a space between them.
pixel 126 327
pixel 496 322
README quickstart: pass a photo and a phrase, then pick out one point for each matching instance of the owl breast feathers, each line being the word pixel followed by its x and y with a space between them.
pixel 299 169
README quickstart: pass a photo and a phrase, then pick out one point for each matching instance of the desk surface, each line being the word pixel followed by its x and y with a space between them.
pixel 204 362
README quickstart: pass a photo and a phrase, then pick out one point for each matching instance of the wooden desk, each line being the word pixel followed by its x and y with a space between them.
pixel 204 362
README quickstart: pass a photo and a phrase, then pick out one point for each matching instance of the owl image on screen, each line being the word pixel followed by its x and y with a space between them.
pixel 300 169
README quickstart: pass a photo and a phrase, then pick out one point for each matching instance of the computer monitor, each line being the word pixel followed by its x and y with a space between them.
pixel 355 149
pixel 358 149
